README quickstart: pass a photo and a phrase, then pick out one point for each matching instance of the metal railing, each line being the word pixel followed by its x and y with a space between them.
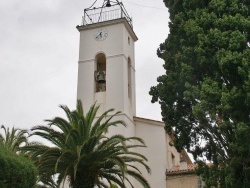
pixel 102 14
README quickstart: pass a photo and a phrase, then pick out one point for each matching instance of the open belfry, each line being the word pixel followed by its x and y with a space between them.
pixel 106 76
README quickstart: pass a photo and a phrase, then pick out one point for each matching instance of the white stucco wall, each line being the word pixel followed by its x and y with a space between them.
pixel 171 152
pixel 153 133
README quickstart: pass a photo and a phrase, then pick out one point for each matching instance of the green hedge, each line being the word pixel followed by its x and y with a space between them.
pixel 16 171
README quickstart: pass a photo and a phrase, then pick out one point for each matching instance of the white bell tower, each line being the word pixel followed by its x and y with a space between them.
pixel 106 72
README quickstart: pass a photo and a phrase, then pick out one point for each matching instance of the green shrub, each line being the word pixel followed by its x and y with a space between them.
pixel 16 171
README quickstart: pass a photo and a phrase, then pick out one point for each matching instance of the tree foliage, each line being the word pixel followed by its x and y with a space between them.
pixel 16 170
pixel 13 139
pixel 205 93
pixel 82 153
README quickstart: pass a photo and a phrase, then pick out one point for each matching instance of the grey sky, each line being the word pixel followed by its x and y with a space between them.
pixel 39 46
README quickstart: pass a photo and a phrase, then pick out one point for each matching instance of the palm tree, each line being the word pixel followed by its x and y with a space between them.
pixel 13 139
pixel 83 154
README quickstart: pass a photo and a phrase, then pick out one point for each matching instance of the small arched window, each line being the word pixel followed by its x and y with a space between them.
pixel 100 72
pixel 130 80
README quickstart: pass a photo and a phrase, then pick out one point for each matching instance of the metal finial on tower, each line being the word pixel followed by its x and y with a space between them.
pixel 108 3
pixel 110 10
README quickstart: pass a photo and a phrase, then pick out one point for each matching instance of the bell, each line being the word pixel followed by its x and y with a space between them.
pixel 108 3
pixel 100 78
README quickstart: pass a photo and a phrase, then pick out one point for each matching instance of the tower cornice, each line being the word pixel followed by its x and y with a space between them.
pixel 107 23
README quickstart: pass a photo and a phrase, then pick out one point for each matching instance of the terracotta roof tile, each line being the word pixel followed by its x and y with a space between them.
pixel 176 169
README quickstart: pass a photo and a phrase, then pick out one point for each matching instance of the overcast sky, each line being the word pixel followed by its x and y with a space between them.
pixel 39 47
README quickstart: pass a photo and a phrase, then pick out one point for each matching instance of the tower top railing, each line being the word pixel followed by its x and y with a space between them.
pixel 105 13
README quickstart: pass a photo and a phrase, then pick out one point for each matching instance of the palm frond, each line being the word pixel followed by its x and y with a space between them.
pixel 13 139
pixel 139 178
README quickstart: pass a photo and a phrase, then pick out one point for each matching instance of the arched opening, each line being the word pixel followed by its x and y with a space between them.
pixel 100 72
pixel 130 80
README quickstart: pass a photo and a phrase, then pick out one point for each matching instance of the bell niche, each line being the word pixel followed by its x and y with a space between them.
pixel 100 73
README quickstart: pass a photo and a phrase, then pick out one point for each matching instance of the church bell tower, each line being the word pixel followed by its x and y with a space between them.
pixel 106 71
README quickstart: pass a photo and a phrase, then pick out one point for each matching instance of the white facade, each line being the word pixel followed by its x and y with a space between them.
pixel 112 52
pixel 158 152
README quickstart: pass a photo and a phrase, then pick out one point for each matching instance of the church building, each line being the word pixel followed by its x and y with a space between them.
pixel 106 75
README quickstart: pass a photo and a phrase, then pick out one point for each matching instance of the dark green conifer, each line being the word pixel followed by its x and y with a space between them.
pixel 205 93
